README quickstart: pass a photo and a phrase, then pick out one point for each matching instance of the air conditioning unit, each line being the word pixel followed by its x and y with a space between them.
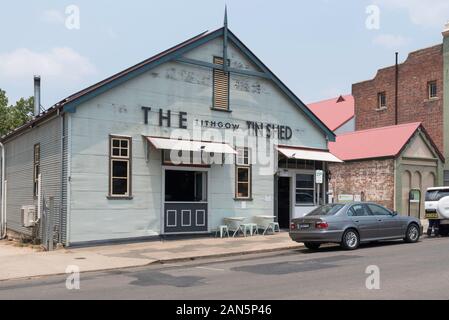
pixel 29 216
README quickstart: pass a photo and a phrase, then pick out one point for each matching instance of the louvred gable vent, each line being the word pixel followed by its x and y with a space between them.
pixel 221 86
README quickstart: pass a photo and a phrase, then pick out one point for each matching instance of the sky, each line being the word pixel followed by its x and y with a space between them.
pixel 318 48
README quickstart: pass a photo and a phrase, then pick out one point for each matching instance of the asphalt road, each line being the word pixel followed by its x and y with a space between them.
pixel 407 271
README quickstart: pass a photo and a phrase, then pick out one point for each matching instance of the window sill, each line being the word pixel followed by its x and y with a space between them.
pixel 119 198
pixel 243 199
pixel 221 110
pixel 381 109
pixel 432 99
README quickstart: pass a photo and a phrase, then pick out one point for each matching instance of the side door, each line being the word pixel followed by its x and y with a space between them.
pixel 389 225
pixel 360 215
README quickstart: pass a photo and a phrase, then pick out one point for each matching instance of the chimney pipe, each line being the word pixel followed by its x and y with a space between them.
pixel 396 120
pixel 37 95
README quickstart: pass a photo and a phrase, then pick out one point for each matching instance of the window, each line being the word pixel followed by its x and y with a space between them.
pixel 120 167
pixel 378 210
pixel 327 210
pixel 36 168
pixel 185 186
pixel 436 195
pixel 221 87
pixel 243 174
pixel 358 210
pixel 186 158
pixel 432 88
pixel 381 100
pixel 305 189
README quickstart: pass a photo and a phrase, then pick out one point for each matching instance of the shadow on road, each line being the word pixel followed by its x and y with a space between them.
pixel 337 248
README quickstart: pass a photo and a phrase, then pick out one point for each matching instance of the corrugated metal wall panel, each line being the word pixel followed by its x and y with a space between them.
pixel 63 225
pixel 19 171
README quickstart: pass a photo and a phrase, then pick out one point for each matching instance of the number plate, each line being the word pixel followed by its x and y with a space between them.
pixel 304 226
pixel 431 215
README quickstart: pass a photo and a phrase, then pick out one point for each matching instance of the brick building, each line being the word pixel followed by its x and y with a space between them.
pixel 422 95
pixel 383 165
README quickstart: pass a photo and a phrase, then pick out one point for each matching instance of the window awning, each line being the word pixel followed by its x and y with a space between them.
pixel 185 145
pixel 305 154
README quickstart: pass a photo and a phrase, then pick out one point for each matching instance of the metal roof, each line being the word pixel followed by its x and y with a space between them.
pixel 334 112
pixel 377 143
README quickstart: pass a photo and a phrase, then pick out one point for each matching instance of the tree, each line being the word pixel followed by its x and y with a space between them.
pixel 13 116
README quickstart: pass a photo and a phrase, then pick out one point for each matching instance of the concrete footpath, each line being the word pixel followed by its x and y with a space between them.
pixel 24 262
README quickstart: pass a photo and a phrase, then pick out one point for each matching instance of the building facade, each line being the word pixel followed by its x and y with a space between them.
pixel 421 95
pixel 392 166
pixel 173 145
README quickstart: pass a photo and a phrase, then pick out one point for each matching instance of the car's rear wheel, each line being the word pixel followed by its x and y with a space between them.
pixel 312 245
pixel 412 234
pixel 351 240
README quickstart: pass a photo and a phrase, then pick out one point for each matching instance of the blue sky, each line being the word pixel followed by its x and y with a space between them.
pixel 318 48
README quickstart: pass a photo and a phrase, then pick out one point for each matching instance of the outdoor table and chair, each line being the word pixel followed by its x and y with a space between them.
pixel 267 222
pixel 236 225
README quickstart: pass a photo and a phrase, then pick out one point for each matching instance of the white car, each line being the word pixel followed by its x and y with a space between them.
pixel 437 207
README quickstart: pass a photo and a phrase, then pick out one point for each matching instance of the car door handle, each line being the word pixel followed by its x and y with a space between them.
pixel 356 221
pixel 380 220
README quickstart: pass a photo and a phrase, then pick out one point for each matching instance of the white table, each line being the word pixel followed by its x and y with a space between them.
pixel 265 221
pixel 235 223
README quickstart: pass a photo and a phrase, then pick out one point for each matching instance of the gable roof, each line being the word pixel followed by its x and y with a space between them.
pixel 334 112
pixel 70 103
pixel 377 143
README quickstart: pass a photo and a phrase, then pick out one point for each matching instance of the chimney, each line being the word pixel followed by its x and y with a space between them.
pixel 446 30
pixel 37 95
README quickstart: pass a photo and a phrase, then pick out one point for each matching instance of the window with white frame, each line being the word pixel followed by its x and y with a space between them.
pixel 305 189
pixel 382 100
pixel 432 89
pixel 120 167
pixel 243 174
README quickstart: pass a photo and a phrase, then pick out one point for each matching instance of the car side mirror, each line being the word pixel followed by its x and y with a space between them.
pixel 394 213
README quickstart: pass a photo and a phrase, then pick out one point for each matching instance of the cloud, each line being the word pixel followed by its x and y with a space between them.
pixel 434 13
pixel 53 17
pixel 391 41
pixel 62 64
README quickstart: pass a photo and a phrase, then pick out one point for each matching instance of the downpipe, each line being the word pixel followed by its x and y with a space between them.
pixel 3 196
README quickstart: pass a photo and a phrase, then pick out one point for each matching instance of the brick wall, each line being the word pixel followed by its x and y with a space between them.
pixel 413 104
pixel 375 178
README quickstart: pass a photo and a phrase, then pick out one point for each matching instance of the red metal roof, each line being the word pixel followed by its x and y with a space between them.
pixel 334 112
pixel 373 143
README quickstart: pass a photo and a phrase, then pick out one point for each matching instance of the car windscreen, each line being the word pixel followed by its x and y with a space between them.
pixel 436 195
pixel 326 210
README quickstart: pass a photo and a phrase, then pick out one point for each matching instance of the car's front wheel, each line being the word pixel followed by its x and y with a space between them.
pixel 412 234
pixel 312 245
pixel 351 240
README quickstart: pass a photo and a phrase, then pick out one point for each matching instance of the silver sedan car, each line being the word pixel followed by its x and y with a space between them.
pixel 353 223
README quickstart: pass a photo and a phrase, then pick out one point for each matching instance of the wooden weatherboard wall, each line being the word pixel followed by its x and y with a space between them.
pixel 178 87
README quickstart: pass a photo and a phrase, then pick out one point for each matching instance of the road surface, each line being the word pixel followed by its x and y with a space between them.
pixel 406 271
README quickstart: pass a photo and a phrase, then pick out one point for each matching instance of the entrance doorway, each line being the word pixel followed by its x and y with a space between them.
pixel 284 202
pixel 185 197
